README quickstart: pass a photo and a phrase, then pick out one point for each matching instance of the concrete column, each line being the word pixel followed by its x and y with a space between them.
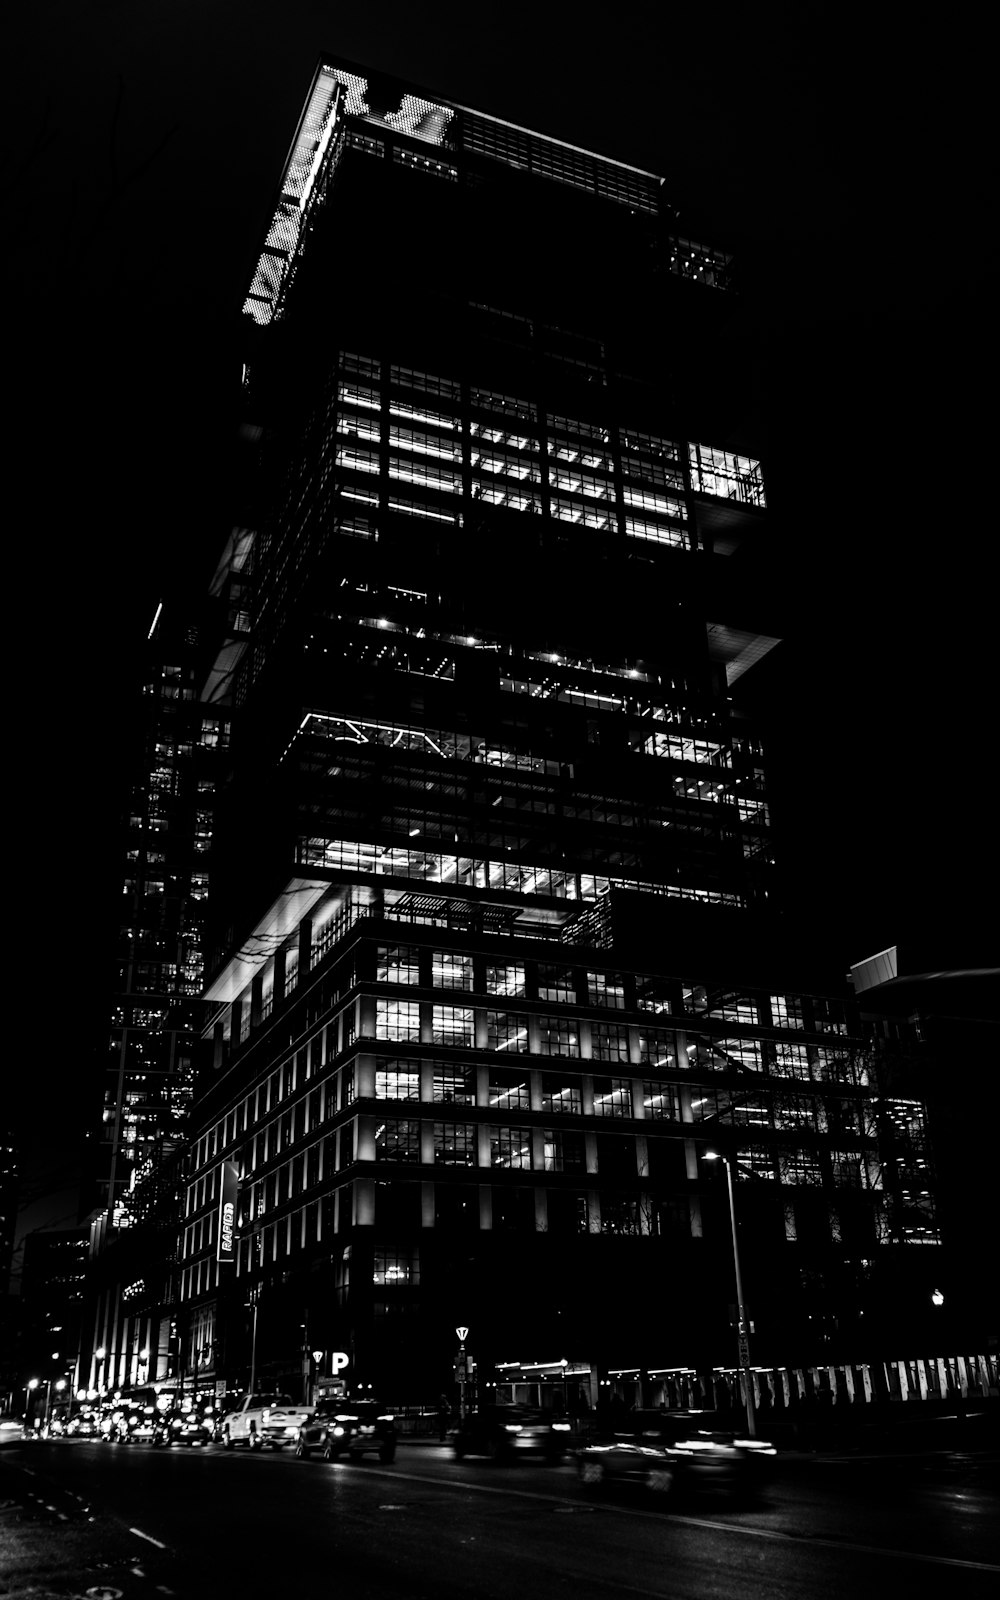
pixel 256 991
pixel 483 1142
pixel 305 945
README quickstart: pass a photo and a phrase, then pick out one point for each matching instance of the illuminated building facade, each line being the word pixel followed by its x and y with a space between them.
pixel 490 878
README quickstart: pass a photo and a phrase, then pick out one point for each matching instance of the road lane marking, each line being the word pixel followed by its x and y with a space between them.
pixel 140 1535
pixel 775 1534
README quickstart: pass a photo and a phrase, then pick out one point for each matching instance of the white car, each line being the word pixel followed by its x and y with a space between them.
pixel 260 1420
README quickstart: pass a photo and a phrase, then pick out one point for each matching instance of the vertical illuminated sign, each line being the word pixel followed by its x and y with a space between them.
pixel 226 1248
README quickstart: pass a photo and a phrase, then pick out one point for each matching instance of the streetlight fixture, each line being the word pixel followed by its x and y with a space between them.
pixel 58 1386
pixel 743 1324
pixel 29 1388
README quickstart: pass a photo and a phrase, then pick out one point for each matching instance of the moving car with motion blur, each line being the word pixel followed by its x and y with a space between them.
pixel 503 1433
pixel 676 1455
pixel 340 1427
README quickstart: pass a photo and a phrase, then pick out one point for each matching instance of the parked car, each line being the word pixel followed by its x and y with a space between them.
pixel 505 1432
pixel 82 1427
pixel 193 1427
pixel 340 1427
pixel 668 1455
pixel 281 1424
pixel 260 1419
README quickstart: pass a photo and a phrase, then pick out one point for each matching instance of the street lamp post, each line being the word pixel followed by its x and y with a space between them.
pixel 30 1387
pixel 741 1315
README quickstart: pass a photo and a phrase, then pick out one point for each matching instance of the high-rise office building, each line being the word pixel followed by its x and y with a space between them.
pixel 134 1162
pixel 490 878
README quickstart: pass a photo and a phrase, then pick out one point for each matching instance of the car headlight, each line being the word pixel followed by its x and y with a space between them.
pixel 291 1431
pixel 338 1432
pixel 561 1427
pixel 512 1427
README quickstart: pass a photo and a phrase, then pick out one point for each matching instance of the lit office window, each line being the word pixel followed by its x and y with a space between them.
pixel 725 474
pixel 561 1094
pixel 455 1144
pixel 556 983
pixel 454 1085
pixel 397 1019
pixel 395 1266
pixel 396 1081
pixel 510 1147
pixel 753 1161
pixel 661 1101
pixel 453 1025
pixel 397 964
pixel 508 1091
pixel 657 533
pixel 397 1141
pixel 450 970
pixel 608 1042
pixel 612 1097
pixel 656 1047
pixel 799 1111
pixel 507 1030
pixel 606 989
pixel 802 1167
pixel 558 1036
pixel 790 1061
pixel 506 978
pixel 787 1011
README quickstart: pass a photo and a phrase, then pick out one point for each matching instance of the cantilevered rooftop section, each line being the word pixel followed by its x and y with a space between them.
pixel 343 99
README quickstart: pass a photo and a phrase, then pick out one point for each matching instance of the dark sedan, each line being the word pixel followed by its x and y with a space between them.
pixel 339 1428
pixel 505 1432
pixel 194 1427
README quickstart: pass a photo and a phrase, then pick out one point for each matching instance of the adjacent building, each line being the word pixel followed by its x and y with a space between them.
pixel 136 1159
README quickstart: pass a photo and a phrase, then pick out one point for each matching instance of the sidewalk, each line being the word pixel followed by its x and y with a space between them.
pixel 892 1431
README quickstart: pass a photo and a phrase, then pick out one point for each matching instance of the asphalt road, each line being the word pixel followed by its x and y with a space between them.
pixel 88 1519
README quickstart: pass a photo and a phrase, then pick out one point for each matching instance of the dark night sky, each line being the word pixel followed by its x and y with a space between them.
pixel 845 159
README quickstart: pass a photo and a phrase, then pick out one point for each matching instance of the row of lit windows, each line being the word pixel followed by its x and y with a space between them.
pixel 354 855
pixel 508 1090
pixel 553 1150
pixel 649 465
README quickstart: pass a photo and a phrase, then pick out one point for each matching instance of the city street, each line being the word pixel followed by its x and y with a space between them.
pixel 85 1518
